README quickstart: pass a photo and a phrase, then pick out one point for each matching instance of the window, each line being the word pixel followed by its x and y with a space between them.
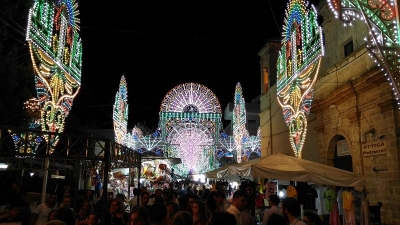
pixel 348 48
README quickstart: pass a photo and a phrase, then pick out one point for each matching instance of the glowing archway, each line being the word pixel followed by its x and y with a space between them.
pixel 190 121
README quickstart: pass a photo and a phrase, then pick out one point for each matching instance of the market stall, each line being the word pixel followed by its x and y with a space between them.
pixel 284 167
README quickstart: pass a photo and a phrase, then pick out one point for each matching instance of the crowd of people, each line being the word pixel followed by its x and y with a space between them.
pixel 163 207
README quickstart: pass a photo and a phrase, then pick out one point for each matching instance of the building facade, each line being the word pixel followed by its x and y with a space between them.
pixel 354 122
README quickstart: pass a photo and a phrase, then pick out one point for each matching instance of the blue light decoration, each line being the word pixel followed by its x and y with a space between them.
pixel 297 68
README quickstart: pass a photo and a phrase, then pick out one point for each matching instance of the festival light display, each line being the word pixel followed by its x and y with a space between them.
pixel 382 19
pixel 239 121
pixel 190 128
pixel 252 144
pixel 120 112
pixel 297 68
pixel 190 119
pixel 227 146
pixel 56 53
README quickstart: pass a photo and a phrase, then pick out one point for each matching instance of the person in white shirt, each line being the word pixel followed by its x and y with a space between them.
pixel 273 201
pixel 134 201
pixel 238 204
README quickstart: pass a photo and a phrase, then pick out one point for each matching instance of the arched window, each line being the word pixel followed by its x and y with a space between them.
pixel 340 161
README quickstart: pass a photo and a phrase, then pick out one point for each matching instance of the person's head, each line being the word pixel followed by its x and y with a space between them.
pixel 117 206
pixel 87 206
pixel 135 191
pixel 276 219
pixel 165 193
pixel 172 208
pixel 52 199
pixel 89 194
pixel 219 197
pixel 191 200
pixel 222 218
pixel 52 215
pixel 158 192
pixel 239 199
pixel 13 210
pixel 121 196
pixel 158 213
pixel 182 218
pixel 199 208
pixel 274 199
pixel 67 201
pixel 290 208
pixel 144 198
pixel 311 218
pixel 139 216
pixel 143 189
pixel 66 215
pixel 93 219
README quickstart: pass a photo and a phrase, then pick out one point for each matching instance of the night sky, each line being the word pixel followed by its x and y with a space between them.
pixel 158 45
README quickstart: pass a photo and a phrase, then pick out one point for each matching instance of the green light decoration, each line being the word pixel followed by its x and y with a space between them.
pixel 56 53
pixel 297 68
pixel 239 121
pixel 120 112
pixel 382 19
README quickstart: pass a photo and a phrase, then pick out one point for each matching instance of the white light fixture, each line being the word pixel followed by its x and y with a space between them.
pixel 31 173
pixel 3 166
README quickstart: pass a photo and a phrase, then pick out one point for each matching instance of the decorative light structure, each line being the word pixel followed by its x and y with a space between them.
pixel 227 146
pixel 190 128
pixel 120 112
pixel 382 19
pixel 252 144
pixel 190 121
pixel 56 53
pixel 297 68
pixel 239 121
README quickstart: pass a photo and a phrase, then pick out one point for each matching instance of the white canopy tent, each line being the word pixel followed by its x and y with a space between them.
pixel 283 167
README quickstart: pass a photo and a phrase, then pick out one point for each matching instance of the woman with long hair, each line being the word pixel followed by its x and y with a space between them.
pixel 199 212
pixel 84 212
pixel 117 214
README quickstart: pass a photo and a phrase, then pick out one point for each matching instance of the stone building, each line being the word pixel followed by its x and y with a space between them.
pixel 354 122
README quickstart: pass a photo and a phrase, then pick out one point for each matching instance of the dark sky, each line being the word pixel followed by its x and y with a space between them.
pixel 158 45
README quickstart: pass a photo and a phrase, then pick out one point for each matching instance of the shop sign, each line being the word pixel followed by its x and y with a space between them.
pixel 342 148
pixel 374 148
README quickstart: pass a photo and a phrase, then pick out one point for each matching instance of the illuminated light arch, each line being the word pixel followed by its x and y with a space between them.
pixel 120 112
pixel 190 97
pixel 297 68
pixel 56 54
pixel 190 122
pixel 192 142
pixel 239 121
pixel 382 19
